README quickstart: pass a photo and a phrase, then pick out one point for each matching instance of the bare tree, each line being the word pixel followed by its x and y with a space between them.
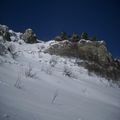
pixel 54 97
pixel 29 72
pixel 18 83
pixel 46 69
pixel 12 50
pixel 68 72
pixel 3 50
pixel 40 48
pixel 53 60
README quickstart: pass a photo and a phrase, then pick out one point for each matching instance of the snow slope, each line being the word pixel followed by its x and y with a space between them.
pixel 35 86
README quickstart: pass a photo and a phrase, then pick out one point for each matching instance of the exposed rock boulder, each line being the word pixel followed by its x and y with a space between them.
pixel 94 51
pixel 29 36
pixel 15 36
pixel 4 32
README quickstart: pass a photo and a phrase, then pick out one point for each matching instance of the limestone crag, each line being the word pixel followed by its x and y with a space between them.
pixel 95 54
pixel 29 36
pixel 4 32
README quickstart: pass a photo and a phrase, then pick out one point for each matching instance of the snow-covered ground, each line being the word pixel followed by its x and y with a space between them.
pixel 38 86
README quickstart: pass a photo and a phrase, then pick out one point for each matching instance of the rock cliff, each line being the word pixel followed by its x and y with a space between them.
pixel 95 55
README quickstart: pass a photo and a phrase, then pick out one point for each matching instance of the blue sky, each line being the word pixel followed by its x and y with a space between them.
pixel 49 17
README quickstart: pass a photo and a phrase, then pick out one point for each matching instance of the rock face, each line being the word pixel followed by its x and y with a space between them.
pixel 94 51
pixel 95 54
pixel 87 50
pixel 4 32
pixel 29 36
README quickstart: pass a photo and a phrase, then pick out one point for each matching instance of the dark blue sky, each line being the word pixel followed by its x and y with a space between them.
pixel 49 17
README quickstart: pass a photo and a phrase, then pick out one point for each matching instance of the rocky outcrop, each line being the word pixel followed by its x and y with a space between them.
pixel 95 54
pixel 94 51
pixel 29 36
pixel 87 50
pixel 4 32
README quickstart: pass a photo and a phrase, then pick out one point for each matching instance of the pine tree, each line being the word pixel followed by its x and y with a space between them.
pixel 58 38
pixel 94 38
pixel 64 36
pixel 84 36
pixel 75 37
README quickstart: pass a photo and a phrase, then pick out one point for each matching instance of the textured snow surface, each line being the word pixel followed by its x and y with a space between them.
pixel 49 94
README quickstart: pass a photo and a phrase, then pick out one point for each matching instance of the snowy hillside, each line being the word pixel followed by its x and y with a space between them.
pixel 38 86
pixel 35 85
